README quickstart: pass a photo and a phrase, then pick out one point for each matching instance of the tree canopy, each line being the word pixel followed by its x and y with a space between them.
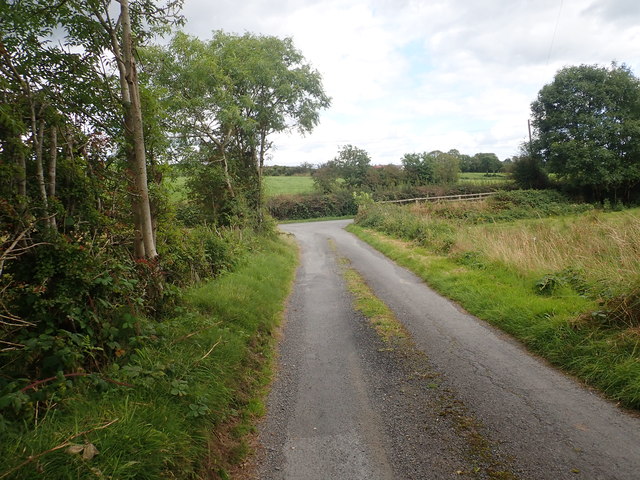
pixel 225 98
pixel 353 164
pixel 587 128
pixel 432 167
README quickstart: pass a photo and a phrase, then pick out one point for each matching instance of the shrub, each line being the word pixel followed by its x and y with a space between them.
pixel 528 172
pixel 80 300
pixel 394 220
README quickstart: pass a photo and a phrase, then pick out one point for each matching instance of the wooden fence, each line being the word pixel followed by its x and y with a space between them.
pixel 445 198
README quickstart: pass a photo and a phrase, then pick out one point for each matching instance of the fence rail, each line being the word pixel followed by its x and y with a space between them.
pixel 445 198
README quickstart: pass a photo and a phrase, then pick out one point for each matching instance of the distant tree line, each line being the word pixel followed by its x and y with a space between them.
pixel 352 169
pixel 304 168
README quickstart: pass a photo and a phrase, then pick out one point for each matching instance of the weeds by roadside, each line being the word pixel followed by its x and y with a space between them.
pixel 186 396
pixel 375 310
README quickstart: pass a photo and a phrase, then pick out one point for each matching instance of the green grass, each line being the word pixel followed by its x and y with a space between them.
pixel 554 326
pixel 273 186
pixel 479 178
pixel 288 185
pixel 382 319
pixel 483 176
pixel 192 394
pixel 177 189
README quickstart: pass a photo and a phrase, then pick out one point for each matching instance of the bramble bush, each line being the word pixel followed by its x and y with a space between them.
pixel 74 303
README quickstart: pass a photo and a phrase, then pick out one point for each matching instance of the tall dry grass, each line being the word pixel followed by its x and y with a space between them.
pixel 603 247
pixel 584 265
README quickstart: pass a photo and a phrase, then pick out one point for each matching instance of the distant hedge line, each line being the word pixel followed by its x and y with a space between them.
pixel 313 205
pixel 316 205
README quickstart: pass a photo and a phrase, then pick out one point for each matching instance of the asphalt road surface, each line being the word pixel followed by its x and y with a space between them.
pixel 463 400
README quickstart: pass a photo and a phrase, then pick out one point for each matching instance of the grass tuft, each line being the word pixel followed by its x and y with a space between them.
pixel 375 310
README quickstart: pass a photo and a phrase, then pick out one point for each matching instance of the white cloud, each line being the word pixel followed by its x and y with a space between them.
pixel 415 75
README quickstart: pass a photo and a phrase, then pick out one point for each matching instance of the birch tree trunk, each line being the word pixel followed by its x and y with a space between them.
pixel 125 98
pixel 135 138
pixel 21 178
pixel 38 140
pixel 53 160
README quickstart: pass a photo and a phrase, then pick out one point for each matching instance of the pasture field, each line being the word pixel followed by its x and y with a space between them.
pixel 176 187
pixel 291 185
pixel 563 279
pixel 273 186
pixel 479 178
pixel 288 185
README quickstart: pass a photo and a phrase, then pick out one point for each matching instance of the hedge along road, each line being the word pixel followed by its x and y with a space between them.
pixel 462 400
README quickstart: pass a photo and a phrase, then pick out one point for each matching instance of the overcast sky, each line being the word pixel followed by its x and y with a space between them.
pixel 420 75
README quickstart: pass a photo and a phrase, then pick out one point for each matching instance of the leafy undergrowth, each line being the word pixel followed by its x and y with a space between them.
pixel 553 318
pixel 182 404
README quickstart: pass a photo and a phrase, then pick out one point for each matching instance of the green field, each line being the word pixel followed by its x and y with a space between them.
pixel 283 185
pixel 273 186
pixel 479 178
pixel 287 185
pixel 177 188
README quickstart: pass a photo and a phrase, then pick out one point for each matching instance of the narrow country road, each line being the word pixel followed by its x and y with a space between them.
pixel 464 401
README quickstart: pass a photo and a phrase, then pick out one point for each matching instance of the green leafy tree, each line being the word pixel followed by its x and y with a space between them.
pixel 384 177
pixel 229 95
pixel 487 162
pixel 325 177
pixel 432 167
pixel 587 128
pixel 119 28
pixel 418 168
pixel 527 170
pixel 446 167
pixel 68 138
pixel 465 161
pixel 353 163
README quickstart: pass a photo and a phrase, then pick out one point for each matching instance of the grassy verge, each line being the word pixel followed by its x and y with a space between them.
pixel 552 325
pixel 183 403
